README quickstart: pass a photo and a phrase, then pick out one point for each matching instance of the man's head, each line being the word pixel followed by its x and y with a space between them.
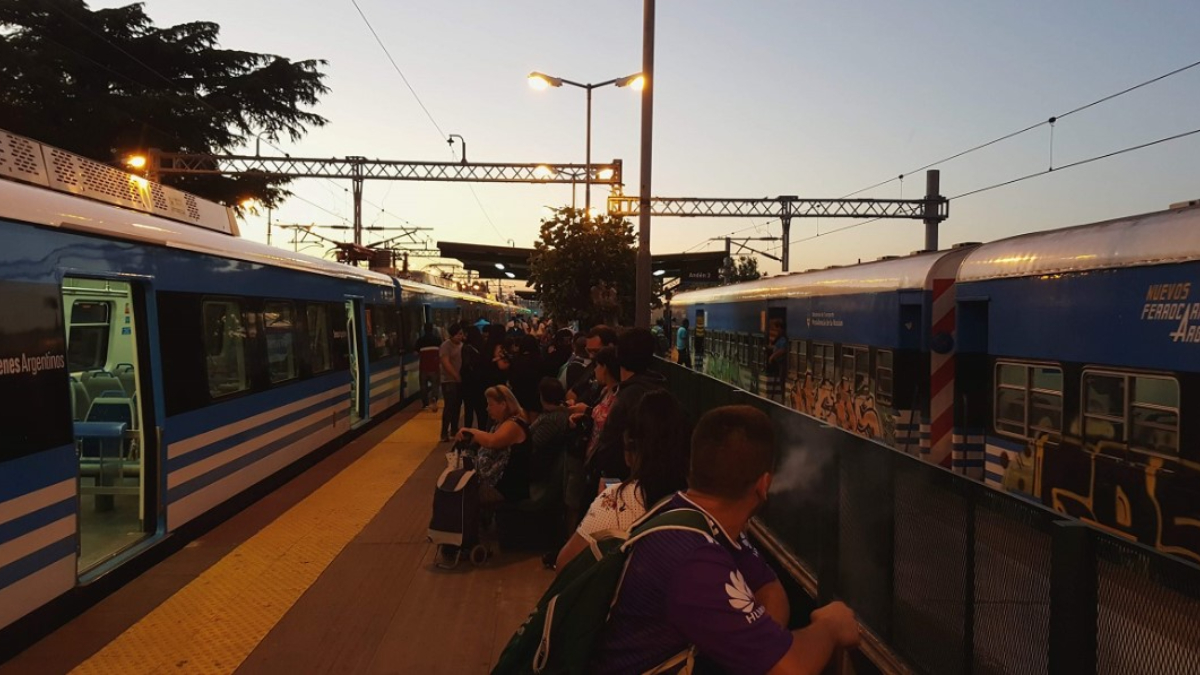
pixel 552 392
pixel 455 331
pixel 733 454
pixel 600 337
pixel 685 323
pixel 635 350
pixel 581 346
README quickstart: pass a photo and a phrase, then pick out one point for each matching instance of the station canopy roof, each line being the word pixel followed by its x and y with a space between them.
pixel 492 262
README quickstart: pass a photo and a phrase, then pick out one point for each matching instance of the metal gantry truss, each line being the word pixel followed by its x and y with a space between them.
pixel 932 209
pixel 360 169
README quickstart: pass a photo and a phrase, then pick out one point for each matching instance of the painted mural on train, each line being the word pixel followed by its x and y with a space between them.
pixel 849 406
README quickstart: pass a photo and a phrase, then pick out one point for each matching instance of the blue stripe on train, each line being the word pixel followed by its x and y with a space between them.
pixel 36 519
pixel 224 444
pixel 180 491
pixel 33 472
pixel 36 561
pixel 218 415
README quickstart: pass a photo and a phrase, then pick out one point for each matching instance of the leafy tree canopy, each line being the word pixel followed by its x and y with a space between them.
pixel 574 256
pixel 745 268
pixel 105 83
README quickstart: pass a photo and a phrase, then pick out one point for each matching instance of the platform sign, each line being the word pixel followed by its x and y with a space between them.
pixel 35 403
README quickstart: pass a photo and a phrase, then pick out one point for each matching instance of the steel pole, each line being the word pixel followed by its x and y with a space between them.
pixel 933 181
pixel 642 297
pixel 587 172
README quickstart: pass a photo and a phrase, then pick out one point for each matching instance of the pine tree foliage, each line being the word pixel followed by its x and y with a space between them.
pixel 106 83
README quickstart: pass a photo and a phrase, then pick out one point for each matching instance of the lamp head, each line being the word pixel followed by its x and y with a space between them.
pixel 637 81
pixel 135 161
pixel 541 81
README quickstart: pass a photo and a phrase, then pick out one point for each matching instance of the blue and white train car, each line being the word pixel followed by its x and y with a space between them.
pixel 870 345
pixel 1079 361
pixel 154 365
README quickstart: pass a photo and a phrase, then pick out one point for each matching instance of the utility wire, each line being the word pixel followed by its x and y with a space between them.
pixel 429 115
pixel 1031 127
pixel 1072 165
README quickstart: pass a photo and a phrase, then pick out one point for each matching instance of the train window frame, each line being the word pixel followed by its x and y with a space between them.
pixel 242 369
pixel 798 355
pixel 884 395
pixel 824 358
pixel 1130 404
pixel 859 354
pixel 102 330
pixel 292 371
pixel 1027 430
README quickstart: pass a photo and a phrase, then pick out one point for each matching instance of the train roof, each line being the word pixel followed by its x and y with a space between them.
pixel 1162 237
pixel 48 186
pixel 419 287
pixel 907 273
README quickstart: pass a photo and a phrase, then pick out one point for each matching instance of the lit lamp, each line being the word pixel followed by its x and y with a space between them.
pixel 542 81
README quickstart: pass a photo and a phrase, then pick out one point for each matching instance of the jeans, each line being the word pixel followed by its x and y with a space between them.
pixel 429 386
pixel 475 409
pixel 453 403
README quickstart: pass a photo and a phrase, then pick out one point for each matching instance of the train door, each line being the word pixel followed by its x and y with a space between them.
pixel 698 335
pixel 354 353
pixel 112 405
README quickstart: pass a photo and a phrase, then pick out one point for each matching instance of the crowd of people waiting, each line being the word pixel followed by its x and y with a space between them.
pixel 581 423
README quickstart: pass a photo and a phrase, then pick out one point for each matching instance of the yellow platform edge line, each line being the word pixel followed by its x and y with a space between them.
pixel 216 621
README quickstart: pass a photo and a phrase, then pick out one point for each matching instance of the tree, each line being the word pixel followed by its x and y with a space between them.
pixel 108 82
pixel 744 269
pixel 575 260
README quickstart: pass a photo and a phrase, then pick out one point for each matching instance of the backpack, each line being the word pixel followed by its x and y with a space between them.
pixel 563 632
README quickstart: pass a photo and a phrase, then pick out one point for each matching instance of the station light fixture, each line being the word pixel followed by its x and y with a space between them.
pixel 543 172
pixel 541 81
pixel 510 275
pixel 500 266
pixel 136 161
pixel 659 273
pixel 637 81
pixel 604 174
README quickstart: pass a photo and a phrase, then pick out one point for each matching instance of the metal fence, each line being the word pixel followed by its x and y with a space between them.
pixel 957 577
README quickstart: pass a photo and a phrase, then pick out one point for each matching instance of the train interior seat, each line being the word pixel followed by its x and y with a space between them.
pixel 80 401
pixel 99 381
pixel 127 376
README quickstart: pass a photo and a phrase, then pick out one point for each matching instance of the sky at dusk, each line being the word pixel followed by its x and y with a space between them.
pixel 753 99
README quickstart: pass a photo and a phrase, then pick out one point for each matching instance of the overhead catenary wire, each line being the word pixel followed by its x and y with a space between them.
pixel 1050 121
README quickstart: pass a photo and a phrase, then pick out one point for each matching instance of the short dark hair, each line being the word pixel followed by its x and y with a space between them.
pixel 581 346
pixel 551 391
pixel 635 349
pixel 732 446
pixel 607 357
pixel 607 335
pixel 454 329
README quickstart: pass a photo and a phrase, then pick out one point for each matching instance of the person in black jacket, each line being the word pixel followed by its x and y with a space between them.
pixel 474 378
pixel 635 355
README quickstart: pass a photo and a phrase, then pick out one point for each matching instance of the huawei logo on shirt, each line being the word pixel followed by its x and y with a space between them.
pixel 742 599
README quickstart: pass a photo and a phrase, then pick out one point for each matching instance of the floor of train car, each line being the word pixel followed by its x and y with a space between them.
pixel 380 606
pixel 107 529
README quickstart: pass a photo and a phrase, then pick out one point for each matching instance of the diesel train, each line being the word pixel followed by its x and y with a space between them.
pixel 154 365
pixel 1057 365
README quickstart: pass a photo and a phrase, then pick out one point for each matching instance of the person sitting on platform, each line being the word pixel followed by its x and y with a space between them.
pixel 656 450
pixel 683 590
pixel 501 454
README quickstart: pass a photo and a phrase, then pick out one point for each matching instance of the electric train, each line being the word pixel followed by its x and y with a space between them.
pixel 1060 365
pixel 154 365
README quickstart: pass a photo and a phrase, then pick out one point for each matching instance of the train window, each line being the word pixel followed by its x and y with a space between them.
pixel 799 357
pixel 884 376
pixel 822 362
pixel 87 343
pixel 318 337
pixel 1104 407
pixel 855 367
pixel 279 323
pixel 224 347
pixel 1154 414
pixel 382 331
pixel 1028 400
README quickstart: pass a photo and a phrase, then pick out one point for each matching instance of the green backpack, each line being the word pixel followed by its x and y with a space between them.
pixel 563 631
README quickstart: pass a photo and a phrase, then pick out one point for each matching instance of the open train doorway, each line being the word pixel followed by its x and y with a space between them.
pixel 111 402
pixel 354 353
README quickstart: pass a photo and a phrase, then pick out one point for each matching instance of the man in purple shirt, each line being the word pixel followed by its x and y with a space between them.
pixel 684 589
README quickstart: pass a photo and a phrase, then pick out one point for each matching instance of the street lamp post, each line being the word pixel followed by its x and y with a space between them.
pixel 541 81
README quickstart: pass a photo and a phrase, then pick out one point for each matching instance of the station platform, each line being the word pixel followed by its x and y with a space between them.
pixel 330 573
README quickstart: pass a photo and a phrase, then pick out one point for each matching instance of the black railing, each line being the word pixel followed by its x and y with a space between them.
pixel 957 577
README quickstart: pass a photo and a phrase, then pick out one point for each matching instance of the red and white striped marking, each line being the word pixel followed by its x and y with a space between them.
pixel 941 377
